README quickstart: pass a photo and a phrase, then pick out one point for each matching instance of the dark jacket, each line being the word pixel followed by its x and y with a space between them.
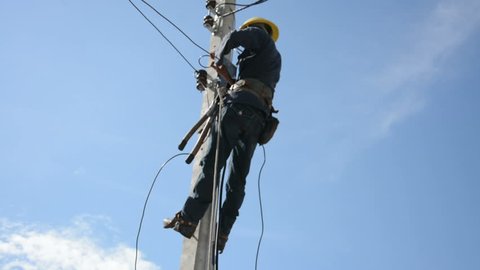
pixel 259 60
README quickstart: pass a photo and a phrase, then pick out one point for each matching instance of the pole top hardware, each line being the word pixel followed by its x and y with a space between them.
pixel 209 23
pixel 211 4
pixel 201 77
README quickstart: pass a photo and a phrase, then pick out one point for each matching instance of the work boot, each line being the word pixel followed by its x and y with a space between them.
pixel 221 242
pixel 186 228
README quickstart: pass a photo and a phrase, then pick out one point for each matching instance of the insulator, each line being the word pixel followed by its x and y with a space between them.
pixel 208 22
pixel 211 4
pixel 201 77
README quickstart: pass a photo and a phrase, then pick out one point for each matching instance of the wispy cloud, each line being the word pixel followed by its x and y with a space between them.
pixel 401 87
pixel 32 248
pixel 447 27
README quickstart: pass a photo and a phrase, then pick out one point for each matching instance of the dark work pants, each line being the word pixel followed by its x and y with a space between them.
pixel 240 128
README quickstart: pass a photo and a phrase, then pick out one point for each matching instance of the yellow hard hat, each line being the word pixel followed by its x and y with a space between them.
pixel 256 20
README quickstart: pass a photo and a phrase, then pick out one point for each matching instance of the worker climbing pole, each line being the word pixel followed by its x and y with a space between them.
pixel 236 116
pixel 197 253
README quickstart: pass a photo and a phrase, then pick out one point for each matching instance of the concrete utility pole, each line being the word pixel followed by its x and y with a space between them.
pixel 195 255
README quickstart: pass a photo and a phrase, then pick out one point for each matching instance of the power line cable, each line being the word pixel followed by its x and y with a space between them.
pixel 261 206
pixel 163 35
pixel 146 202
pixel 174 25
pixel 221 185
pixel 221 188
pixel 220 217
pixel 244 6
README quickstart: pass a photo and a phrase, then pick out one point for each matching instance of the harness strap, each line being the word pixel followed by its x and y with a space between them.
pixel 256 87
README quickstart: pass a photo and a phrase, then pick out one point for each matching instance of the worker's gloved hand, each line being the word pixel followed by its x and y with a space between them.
pixel 217 60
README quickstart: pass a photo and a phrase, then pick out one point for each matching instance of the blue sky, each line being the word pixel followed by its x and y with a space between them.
pixel 376 163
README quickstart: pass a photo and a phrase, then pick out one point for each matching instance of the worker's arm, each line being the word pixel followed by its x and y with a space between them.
pixel 222 71
pixel 250 38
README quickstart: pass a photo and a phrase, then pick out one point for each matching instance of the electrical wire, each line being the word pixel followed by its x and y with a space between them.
pixel 163 35
pixel 200 60
pixel 215 196
pixel 220 198
pixel 146 202
pixel 174 25
pixel 244 6
pixel 261 207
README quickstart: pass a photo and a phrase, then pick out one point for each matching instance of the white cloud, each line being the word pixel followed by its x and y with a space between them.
pixel 447 27
pixel 435 39
pixel 27 247
pixel 401 88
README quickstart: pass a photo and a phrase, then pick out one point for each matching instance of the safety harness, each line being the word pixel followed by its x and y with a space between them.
pixel 257 88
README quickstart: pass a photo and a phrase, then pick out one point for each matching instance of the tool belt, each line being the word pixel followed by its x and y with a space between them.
pixel 256 87
pixel 264 93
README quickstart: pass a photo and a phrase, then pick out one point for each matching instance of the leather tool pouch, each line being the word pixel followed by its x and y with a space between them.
pixel 271 124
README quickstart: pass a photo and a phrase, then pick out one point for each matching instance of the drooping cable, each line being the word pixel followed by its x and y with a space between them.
pixel 213 233
pixel 146 202
pixel 220 199
pixel 200 60
pixel 261 206
pixel 163 35
pixel 174 25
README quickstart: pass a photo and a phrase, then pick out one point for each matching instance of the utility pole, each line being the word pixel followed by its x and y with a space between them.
pixel 195 254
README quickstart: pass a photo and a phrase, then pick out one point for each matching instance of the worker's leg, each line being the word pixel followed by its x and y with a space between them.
pixel 201 196
pixel 251 125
